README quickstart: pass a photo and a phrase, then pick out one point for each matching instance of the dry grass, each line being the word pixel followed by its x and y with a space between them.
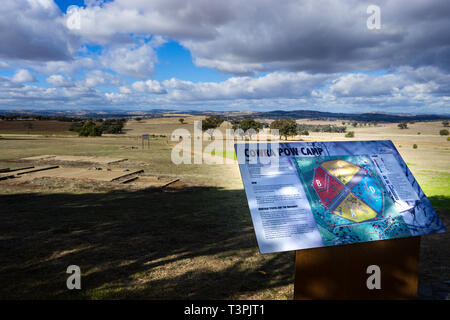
pixel 192 240
pixel 37 127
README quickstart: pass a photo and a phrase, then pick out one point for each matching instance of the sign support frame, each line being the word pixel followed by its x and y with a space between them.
pixel 341 272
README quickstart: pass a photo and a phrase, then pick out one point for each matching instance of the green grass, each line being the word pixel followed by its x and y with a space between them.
pixel 225 154
pixel 441 204
pixel 434 183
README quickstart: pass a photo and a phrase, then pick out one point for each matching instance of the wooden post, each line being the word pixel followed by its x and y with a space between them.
pixel 340 272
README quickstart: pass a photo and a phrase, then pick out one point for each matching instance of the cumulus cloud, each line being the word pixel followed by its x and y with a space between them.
pixel 149 86
pixel 278 90
pixel 325 36
pixel 273 85
pixel 177 18
pixel 285 55
pixel 58 80
pixel 136 61
pixel 23 75
pixel 403 80
pixel 32 30
pixel 66 67
pixel 96 78
pixel 4 65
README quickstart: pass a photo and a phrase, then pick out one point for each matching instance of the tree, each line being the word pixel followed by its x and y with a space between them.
pixel 287 127
pixel 89 129
pixel 247 124
pixel 350 134
pixel 250 126
pixel 235 124
pixel 443 132
pixel 114 126
pixel 181 120
pixel 403 125
pixel 445 123
pixel 211 123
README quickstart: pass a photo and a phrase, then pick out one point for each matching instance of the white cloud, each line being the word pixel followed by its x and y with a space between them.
pixel 4 65
pixel 290 54
pixel 58 80
pixel 135 61
pixel 149 86
pixel 263 35
pixel 273 85
pixel 124 90
pixel 31 30
pixel 65 67
pixel 23 75
pixel 96 78
pixel 280 90
pixel 404 81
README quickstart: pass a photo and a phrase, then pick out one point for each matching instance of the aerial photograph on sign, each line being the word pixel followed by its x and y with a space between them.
pixel 349 200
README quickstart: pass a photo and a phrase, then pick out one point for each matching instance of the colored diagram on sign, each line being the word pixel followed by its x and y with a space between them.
pixel 348 200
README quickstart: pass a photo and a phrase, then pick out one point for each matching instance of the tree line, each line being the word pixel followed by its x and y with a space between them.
pixel 13 117
pixel 91 128
pixel 287 127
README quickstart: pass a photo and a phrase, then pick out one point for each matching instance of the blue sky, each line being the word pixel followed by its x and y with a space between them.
pixel 196 54
pixel 63 5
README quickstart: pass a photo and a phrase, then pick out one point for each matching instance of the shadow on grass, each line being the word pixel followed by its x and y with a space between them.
pixel 174 244
pixel 441 204
pixel 434 263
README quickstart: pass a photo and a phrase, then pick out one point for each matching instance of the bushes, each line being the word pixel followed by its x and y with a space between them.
pixel 350 134
pixel 322 128
pixel 414 146
pixel 443 132
pixel 248 124
pixel 114 126
pixel 89 129
pixel 403 125
pixel 287 127
pixel 211 123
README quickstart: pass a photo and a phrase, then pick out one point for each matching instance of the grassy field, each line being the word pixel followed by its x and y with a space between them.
pixel 43 127
pixel 192 240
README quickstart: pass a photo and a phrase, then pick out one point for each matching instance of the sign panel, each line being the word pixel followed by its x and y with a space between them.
pixel 312 194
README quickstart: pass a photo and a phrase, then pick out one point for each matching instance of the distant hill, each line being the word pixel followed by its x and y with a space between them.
pixel 366 117
pixel 277 114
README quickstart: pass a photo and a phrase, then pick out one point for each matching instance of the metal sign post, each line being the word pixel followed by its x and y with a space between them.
pixel 145 137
